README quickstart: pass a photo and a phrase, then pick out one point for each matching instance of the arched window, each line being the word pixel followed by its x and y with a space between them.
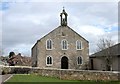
pixel 49 60
pixel 64 44
pixel 49 44
pixel 78 45
pixel 79 60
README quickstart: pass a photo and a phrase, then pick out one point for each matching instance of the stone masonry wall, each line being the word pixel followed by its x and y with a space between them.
pixel 65 74
pixel 78 74
pixel 57 52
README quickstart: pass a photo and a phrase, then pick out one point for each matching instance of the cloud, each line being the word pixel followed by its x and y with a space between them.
pixel 4 6
pixel 24 23
pixel 92 30
pixel 24 49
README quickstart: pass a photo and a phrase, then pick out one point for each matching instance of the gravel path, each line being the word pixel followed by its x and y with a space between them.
pixel 5 78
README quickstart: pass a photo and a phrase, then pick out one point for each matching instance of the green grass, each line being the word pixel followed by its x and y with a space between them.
pixel 27 79
pixel 35 78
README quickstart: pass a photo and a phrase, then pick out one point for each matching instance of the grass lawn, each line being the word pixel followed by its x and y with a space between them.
pixel 27 79
pixel 35 78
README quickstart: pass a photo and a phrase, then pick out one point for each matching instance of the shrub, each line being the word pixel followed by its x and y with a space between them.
pixel 5 70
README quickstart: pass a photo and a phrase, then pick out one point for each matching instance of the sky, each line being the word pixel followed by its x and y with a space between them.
pixel 23 22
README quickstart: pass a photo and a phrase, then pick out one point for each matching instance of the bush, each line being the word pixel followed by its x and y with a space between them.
pixel 5 70
pixel 20 70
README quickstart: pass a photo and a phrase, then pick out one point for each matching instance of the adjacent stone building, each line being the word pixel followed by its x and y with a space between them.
pixel 18 60
pixel 99 59
pixel 62 48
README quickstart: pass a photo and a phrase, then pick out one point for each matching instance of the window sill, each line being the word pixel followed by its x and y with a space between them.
pixel 64 49
pixel 79 49
pixel 49 49
pixel 80 64
pixel 49 65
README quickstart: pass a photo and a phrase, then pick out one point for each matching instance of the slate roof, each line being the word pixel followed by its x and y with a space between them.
pixel 113 50
pixel 22 60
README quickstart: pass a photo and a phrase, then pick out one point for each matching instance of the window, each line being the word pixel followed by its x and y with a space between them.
pixel 78 45
pixel 64 44
pixel 49 44
pixel 79 60
pixel 49 60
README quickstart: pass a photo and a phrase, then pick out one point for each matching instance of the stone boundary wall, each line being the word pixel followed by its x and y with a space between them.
pixel 78 74
pixel 67 74
pixel 15 70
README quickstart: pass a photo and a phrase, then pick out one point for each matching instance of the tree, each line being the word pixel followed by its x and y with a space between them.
pixel 19 54
pixel 11 54
pixel 104 45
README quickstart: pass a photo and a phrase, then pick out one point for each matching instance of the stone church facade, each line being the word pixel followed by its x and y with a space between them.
pixel 62 48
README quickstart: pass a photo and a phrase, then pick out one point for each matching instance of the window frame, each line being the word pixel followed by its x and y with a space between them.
pixel 62 44
pixel 49 59
pixel 48 44
pixel 78 58
pixel 79 45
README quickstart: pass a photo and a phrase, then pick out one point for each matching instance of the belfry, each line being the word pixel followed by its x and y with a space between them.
pixel 63 16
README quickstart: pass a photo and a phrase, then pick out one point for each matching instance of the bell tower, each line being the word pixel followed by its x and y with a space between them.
pixel 63 17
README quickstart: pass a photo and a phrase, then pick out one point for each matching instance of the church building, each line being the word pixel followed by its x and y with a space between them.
pixel 62 48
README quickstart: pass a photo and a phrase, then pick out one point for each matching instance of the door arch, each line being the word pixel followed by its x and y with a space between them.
pixel 64 62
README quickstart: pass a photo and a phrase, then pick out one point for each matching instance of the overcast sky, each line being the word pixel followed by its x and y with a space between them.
pixel 23 23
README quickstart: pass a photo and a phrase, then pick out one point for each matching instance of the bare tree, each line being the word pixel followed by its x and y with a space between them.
pixel 104 45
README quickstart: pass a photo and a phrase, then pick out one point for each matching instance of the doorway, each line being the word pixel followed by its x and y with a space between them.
pixel 92 67
pixel 64 62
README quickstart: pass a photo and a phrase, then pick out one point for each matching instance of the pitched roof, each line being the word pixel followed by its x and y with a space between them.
pixel 56 29
pixel 22 60
pixel 113 51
